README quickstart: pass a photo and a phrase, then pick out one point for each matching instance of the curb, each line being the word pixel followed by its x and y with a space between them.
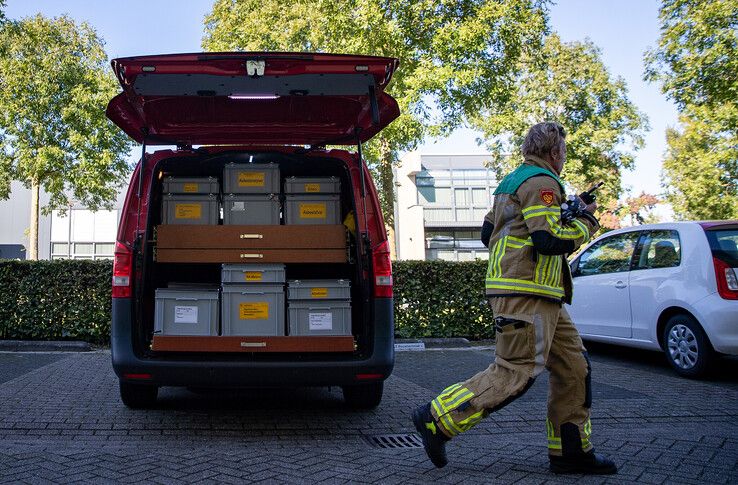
pixel 44 346
pixel 436 343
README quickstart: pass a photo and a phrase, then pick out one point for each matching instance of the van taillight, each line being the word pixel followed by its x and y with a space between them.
pixel 122 271
pixel 382 271
pixel 727 279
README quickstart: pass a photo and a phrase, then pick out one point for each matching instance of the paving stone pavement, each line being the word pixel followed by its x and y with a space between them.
pixel 61 421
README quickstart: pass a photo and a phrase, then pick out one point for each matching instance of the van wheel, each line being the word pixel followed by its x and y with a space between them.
pixel 138 396
pixel 363 396
pixel 687 348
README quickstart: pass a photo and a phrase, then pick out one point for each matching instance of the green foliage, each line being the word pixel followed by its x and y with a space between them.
pixel 701 168
pixel 573 87
pixel 457 56
pixel 441 299
pixel 696 62
pixel 696 59
pixel 55 300
pixel 54 86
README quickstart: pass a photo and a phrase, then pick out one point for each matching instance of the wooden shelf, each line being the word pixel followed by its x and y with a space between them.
pixel 172 343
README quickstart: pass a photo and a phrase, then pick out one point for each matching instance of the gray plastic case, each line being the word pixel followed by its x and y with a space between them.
pixel 185 312
pixel 190 185
pixel 312 209
pixel 315 318
pixel 318 290
pixel 312 185
pixel 190 209
pixel 247 210
pixel 253 310
pixel 251 178
pixel 252 274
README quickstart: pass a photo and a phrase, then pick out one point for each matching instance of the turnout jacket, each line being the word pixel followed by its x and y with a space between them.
pixel 528 243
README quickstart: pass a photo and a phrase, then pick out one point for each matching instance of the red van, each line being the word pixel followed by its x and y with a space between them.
pixel 284 109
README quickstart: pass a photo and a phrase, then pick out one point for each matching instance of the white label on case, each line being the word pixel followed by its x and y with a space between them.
pixel 185 314
pixel 320 321
pixel 239 206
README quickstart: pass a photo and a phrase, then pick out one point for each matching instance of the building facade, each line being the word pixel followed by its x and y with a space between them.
pixel 441 201
pixel 79 233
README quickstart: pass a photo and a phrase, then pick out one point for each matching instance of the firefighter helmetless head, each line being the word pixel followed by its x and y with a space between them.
pixel 547 141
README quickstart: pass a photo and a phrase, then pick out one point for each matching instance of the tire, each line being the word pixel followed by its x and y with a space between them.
pixel 363 396
pixel 138 396
pixel 686 346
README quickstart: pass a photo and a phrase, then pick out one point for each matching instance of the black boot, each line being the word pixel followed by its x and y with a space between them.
pixel 576 460
pixel 434 441
pixel 589 463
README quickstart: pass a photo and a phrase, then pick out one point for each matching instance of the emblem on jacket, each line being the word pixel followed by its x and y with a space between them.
pixel 547 196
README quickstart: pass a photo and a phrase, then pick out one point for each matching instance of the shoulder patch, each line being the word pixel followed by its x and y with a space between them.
pixel 547 196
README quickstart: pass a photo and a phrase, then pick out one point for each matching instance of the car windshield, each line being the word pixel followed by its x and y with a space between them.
pixel 724 245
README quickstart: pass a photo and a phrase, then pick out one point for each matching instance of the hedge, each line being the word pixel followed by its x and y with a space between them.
pixel 441 299
pixel 55 300
pixel 70 299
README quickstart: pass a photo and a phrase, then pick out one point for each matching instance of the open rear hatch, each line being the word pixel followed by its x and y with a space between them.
pixel 253 98
pixel 250 100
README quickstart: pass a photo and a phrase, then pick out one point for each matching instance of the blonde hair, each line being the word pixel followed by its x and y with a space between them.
pixel 542 138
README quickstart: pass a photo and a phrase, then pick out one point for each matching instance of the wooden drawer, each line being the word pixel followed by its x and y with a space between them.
pixel 166 255
pixel 250 237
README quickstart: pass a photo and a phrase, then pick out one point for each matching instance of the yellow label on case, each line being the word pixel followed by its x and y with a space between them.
pixel 312 211
pixel 312 187
pixel 318 292
pixel 187 211
pixel 190 187
pixel 253 311
pixel 251 179
pixel 253 276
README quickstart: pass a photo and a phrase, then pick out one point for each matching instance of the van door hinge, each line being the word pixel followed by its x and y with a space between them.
pixel 255 68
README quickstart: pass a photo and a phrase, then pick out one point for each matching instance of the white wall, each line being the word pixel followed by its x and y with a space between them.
pixel 409 229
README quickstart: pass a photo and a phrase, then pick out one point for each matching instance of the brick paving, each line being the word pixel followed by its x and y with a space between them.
pixel 61 421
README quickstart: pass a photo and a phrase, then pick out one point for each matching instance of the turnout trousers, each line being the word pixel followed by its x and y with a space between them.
pixel 532 334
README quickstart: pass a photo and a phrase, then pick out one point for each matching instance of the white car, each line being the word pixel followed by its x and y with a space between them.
pixel 670 287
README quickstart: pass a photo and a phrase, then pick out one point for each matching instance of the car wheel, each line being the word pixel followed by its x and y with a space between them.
pixel 138 396
pixel 686 346
pixel 363 396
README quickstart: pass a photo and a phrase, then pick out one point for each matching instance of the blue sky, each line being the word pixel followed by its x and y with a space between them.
pixel 623 29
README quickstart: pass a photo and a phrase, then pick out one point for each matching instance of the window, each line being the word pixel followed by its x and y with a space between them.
pixel 659 249
pixel 611 255
pixel 479 196
pixel 461 196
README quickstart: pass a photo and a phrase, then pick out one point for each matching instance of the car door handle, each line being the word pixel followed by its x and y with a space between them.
pixel 620 285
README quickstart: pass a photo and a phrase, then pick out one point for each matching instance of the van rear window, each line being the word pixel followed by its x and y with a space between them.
pixel 724 245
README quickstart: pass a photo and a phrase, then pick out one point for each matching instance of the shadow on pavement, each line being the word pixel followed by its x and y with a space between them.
pixel 724 369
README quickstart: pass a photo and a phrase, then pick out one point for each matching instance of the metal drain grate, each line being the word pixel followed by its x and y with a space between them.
pixel 392 441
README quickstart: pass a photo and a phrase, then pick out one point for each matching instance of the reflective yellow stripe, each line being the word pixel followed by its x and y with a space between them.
pixel 554 443
pixel 540 210
pixel 582 227
pixel 471 421
pixel 522 286
pixel 525 242
pixel 563 232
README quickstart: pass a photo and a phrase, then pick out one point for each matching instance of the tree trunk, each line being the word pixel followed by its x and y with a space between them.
pixel 387 184
pixel 33 233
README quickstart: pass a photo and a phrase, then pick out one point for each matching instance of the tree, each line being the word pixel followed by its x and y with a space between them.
pixel 456 55
pixel 696 62
pixel 701 168
pixel 54 86
pixel 573 87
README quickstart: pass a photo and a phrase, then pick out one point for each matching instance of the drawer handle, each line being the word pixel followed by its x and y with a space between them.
pixel 251 256
pixel 253 344
pixel 252 236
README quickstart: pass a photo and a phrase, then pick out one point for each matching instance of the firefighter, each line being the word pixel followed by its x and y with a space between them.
pixel 527 281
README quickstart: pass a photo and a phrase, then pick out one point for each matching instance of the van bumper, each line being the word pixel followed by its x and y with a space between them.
pixel 228 373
